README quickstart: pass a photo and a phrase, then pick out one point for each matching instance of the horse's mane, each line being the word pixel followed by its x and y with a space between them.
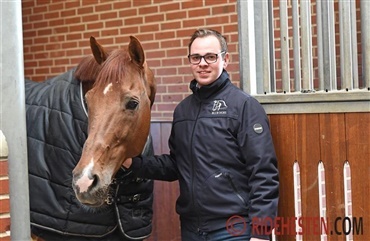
pixel 115 67
pixel 88 69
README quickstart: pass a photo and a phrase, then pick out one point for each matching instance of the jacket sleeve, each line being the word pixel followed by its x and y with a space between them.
pixel 157 167
pixel 258 151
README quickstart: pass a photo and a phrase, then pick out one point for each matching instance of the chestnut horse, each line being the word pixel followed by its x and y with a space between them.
pixel 68 147
pixel 119 104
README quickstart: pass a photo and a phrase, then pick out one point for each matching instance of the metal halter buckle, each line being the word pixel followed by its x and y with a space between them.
pixel 135 198
pixel 109 200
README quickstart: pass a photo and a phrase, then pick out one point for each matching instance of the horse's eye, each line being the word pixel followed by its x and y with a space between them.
pixel 132 104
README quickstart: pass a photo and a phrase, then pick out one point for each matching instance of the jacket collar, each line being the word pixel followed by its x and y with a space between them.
pixel 206 91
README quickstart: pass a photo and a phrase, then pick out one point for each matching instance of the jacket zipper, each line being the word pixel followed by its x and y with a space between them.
pixel 237 193
pixel 193 168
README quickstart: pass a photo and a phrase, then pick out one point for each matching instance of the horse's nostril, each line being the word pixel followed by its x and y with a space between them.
pixel 85 183
pixel 95 181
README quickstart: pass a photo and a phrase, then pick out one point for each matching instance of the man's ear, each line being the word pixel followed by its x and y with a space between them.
pixel 226 59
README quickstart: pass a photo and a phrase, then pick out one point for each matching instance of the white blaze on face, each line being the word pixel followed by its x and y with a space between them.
pixel 107 88
pixel 84 182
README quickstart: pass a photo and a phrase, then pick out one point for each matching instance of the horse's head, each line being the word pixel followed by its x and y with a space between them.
pixel 119 104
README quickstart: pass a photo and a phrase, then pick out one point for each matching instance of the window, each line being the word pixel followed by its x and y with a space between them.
pixel 306 57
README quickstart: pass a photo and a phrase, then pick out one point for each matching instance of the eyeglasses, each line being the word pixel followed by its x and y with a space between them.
pixel 209 58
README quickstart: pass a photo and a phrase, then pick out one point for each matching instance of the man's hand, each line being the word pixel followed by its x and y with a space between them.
pixel 127 163
pixel 257 239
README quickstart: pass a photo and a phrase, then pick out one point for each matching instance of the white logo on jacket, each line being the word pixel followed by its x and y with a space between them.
pixel 219 107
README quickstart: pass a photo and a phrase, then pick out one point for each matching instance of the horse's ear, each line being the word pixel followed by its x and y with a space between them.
pixel 151 82
pixel 136 51
pixel 98 51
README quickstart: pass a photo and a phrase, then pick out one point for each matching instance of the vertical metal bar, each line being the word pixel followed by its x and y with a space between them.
pixel 306 45
pixel 265 48
pixel 329 52
pixel 247 50
pixel 365 42
pixel 332 53
pixel 284 39
pixel 272 68
pixel 345 45
pixel 258 35
pixel 296 47
pixel 354 44
pixel 13 117
pixel 341 45
pixel 321 29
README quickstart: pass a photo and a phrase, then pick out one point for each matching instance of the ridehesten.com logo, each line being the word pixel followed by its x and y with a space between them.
pixel 297 226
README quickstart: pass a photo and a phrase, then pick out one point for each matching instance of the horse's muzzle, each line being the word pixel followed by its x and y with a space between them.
pixel 90 190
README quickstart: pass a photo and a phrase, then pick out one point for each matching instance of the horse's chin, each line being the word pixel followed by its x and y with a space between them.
pixel 95 209
pixel 95 204
pixel 93 198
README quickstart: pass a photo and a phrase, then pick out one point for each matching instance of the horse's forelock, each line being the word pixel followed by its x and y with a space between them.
pixel 88 69
pixel 115 68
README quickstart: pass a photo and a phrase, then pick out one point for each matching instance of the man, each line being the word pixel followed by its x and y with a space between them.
pixel 221 151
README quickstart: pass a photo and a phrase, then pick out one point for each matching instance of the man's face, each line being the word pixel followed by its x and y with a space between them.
pixel 206 73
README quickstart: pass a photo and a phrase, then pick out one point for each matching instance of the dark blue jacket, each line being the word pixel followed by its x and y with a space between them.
pixel 56 132
pixel 222 153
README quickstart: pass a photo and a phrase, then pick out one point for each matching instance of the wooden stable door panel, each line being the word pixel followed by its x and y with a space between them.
pixel 155 130
pixel 358 154
pixel 166 224
pixel 308 157
pixel 283 134
pixel 166 131
pixel 333 156
pixel 160 133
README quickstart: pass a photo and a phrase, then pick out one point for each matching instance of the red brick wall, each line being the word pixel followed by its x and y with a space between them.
pixel 56 36
pixel 4 192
